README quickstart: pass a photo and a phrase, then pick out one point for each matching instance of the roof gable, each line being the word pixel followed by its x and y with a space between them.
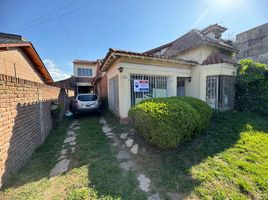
pixel 10 40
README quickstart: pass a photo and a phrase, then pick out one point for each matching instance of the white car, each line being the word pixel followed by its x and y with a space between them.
pixel 86 103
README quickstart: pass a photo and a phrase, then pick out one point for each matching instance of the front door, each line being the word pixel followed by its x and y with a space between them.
pixel 180 86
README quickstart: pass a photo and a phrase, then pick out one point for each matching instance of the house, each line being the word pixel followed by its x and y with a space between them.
pixel 197 64
pixel 27 92
pixel 84 73
pixel 253 44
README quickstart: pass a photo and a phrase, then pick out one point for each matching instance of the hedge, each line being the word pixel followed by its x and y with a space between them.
pixel 167 122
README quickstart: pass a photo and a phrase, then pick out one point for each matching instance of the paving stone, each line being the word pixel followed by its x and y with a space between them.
pixel 123 155
pixel 110 136
pixel 103 121
pixel 76 128
pixel 69 139
pixel 71 133
pixel 72 143
pixel 155 196
pixel 144 183
pixel 175 196
pixel 61 157
pixel 106 129
pixel 123 136
pixel 63 151
pixel 129 142
pixel 59 168
pixel 128 165
pixel 134 149
pixel 110 133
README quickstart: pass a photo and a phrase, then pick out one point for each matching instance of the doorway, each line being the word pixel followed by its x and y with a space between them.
pixel 180 86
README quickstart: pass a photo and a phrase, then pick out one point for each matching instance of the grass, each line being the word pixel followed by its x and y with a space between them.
pixel 229 161
pixel 94 172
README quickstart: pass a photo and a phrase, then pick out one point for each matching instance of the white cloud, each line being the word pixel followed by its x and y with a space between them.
pixel 56 73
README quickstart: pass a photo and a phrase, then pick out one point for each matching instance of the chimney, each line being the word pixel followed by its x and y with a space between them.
pixel 214 31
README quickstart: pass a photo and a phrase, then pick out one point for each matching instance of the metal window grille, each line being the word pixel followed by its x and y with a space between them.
pixel 157 87
pixel 220 92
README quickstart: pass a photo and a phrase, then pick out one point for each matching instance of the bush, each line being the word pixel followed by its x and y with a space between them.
pixel 251 92
pixel 167 122
pixel 204 111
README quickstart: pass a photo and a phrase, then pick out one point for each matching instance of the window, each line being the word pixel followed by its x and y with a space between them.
pixel 84 71
pixel 157 87
pixel 220 92
pixel 88 97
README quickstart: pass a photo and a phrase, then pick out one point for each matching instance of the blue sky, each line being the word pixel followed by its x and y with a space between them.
pixel 62 30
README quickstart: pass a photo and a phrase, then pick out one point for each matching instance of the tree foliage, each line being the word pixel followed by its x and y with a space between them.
pixel 252 87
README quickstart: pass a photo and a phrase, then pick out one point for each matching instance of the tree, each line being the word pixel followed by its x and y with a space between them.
pixel 252 87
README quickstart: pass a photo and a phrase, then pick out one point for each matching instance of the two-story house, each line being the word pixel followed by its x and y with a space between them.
pixel 84 72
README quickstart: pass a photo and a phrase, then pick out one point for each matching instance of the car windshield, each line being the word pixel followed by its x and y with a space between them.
pixel 89 97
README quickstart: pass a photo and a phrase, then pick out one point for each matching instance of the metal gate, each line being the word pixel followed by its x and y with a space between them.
pixel 113 96
pixel 157 87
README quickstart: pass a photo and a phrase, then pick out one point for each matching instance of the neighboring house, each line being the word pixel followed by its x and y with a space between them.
pixel 253 44
pixel 198 64
pixel 84 72
pixel 26 95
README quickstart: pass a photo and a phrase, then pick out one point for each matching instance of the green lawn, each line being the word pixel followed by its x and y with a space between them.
pixel 94 173
pixel 230 161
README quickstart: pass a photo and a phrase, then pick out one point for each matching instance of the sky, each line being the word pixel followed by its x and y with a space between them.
pixel 64 30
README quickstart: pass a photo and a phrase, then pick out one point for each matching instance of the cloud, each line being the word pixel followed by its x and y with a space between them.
pixel 56 73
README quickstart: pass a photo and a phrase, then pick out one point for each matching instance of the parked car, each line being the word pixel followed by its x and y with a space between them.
pixel 86 103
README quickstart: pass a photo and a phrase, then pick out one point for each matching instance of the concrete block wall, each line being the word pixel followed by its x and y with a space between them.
pixel 25 120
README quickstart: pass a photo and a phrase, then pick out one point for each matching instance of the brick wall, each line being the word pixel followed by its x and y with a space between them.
pixel 16 63
pixel 25 119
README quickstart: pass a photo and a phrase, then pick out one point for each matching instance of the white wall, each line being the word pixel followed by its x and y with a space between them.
pixel 76 66
pixel 213 70
pixel 198 53
pixel 132 68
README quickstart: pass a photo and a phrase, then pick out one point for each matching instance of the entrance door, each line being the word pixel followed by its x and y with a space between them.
pixel 180 86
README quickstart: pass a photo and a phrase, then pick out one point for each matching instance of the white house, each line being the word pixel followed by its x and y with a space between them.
pixel 198 64
pixel 84 72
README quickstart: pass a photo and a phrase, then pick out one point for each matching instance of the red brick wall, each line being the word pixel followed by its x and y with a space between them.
pixel 25 119
pixel 102 84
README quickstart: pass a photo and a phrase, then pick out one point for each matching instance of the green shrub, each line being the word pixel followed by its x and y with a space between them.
pixel 167 122
pixel 251 92
pixel 204 111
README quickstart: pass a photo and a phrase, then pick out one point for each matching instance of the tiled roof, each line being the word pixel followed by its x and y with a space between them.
pixel 192 39
pixel 77 61
pixel 217 57
pixel 151 56
pixel 118 52
pixel 6 38
pixel 11 40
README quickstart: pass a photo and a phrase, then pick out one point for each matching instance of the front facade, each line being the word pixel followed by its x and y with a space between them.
pixel 198 64
pixel 84 73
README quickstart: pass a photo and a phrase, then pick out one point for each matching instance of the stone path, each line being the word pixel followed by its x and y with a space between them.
pixel 68 148
pixel 126 149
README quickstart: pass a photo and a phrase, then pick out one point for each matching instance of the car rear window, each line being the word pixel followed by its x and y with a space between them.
pixel 87 97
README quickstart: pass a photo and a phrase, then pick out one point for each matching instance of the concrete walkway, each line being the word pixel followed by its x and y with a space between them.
pixel 68 148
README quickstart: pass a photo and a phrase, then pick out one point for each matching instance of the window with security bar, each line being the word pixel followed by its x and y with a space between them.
pixel 220 92
pixel 147 86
